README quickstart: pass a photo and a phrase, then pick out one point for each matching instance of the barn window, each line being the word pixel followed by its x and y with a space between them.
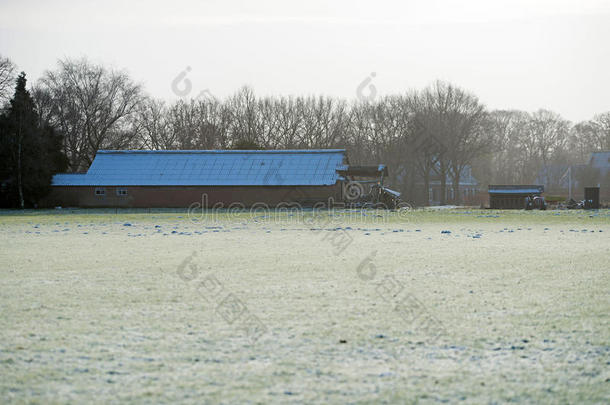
pixel 100 191
pixel 121 191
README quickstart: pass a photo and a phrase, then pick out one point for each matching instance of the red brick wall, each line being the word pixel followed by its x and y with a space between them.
pixel 184 196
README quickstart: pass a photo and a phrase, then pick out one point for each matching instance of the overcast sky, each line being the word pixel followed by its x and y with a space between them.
pixel 519 54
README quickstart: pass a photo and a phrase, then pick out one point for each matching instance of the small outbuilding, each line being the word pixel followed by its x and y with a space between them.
pixel 512 196
pixel 213 178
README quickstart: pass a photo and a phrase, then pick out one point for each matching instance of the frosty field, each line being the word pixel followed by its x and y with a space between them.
pixel 448 306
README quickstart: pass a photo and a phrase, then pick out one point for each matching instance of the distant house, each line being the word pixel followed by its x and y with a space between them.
pixel 179 178
pixel 601 161
pixel 553 177
pixel 468 187
pixel 558 178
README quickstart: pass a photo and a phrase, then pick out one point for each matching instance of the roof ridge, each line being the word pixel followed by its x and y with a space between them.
pixel 217 151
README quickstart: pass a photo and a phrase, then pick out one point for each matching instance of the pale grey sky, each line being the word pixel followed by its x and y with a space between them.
pixel 519 54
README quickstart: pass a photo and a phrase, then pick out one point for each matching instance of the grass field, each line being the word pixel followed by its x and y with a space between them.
pixel 448 306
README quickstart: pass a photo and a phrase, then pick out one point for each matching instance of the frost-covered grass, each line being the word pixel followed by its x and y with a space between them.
pixel 96 309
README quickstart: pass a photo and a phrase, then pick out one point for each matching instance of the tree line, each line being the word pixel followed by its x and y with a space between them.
pixel 421 135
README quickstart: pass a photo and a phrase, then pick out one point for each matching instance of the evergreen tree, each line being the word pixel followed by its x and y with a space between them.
pixel 29 154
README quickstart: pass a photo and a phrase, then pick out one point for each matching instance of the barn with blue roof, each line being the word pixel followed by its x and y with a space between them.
pixel 179 178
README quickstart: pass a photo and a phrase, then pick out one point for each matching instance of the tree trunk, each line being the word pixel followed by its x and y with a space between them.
pixel 407 187
pixel 427 189
pixel 443 174
pixel 456 187
pixel 19 183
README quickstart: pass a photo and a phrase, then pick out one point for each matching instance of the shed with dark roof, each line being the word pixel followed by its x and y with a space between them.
pixel 512 196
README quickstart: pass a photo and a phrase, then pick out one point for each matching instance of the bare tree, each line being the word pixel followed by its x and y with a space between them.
pixel 184 117
pixel 434 111
pixel 7 79
pixel 601 125
pixel 501 163
pixel 583 139
pixel 358 137
pixel 199 124
pixel 391 117
pixel 243 108
pixel 155 132
pixel 549 131
pixel 323 122
pixel 92 107
pixel 468 139
pixel 43 101
pixel 589 136
pixel 289 115
pixel 266 122
pixel 534 146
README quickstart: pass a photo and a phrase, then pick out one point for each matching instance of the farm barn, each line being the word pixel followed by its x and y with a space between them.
pixel 179 178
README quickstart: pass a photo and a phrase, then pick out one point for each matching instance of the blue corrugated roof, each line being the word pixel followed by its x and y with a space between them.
pixel 209 168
